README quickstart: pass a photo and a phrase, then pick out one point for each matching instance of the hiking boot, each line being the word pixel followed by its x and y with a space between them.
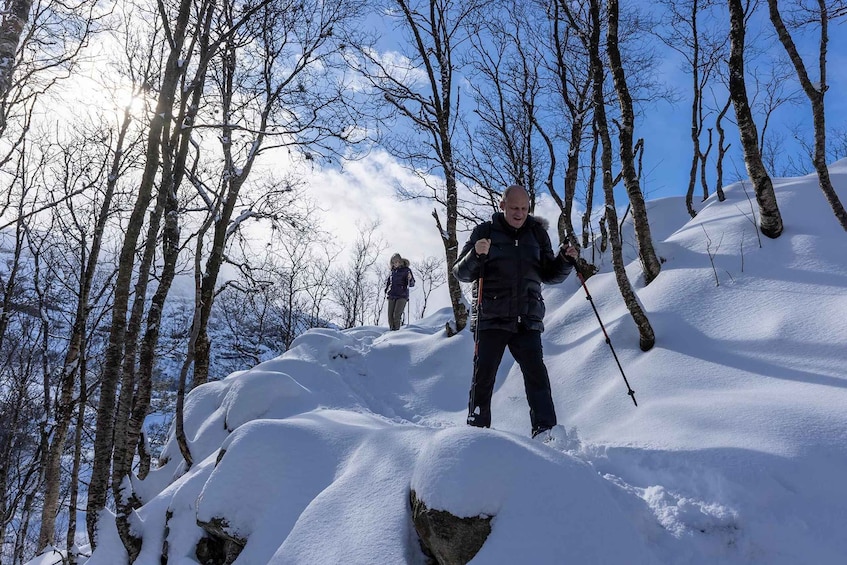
pixel 543 434
pixel 478 419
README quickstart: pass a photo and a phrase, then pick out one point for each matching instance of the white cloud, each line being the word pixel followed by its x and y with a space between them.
pixel 364 192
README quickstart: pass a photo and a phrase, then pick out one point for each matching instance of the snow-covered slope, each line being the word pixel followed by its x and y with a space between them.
pixel 735 453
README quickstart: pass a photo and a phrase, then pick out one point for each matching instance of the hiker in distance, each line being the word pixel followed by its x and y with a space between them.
pixel 509 257
pixel 397 289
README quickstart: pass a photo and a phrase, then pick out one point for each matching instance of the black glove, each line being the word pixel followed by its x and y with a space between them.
pixel 568 258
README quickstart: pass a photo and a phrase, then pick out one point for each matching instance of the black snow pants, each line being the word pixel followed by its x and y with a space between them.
pixel 525 347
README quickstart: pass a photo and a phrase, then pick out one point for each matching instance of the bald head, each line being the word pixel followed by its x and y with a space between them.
pixel 515 205
pixel 512 189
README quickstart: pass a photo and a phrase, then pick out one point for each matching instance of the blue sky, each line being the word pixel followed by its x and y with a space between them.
pixel 665 125
pixel 365 190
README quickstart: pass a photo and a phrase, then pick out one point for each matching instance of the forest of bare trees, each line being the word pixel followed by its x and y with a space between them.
pixel 157 228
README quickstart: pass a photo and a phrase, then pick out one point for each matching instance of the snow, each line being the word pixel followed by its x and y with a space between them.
pixel 735 453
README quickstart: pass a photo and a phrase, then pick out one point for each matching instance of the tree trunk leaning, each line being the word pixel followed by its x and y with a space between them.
pixel 816 98
pixel 646 336
pixel 649 261
pixel 770 220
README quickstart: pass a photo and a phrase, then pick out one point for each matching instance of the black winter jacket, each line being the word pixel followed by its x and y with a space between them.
pixel 517 263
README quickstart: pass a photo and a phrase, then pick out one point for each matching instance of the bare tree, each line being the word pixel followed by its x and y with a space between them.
pixel 572 75
pixel 318 289
pixel 353 285
pixel 280 96
pixel 434 30
pixel 592 181
pixel 54 255
pixel 376 306
pixel 770 220
pixel 505 66
pixel 81 169
pixel 649 261
pixel 177 31
pixel 195 36
pixel 44 287
pixel 815 92
pixel 430 275
pixel 307 107
pixel 723 148
pixel 23 418
pixel 38 47
pixel 299 278
pixel 837 148
pixel 647 337
pixel 690 31
pixel 251 326
pixel 774 90
pixel 537 52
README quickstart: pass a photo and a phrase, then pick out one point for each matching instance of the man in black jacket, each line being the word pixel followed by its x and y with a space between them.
pixel 518 257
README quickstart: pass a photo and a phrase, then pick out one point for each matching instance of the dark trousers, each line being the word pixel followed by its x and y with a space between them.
pixel 395 312
pixel 525 347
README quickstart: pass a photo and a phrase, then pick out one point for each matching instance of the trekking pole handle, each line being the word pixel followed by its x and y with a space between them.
pixel 482 258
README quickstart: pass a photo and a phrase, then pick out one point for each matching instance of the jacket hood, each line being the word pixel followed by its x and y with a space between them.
pixel 400 259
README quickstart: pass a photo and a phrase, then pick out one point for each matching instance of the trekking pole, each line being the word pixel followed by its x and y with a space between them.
pixel 482 259
pixel 630 392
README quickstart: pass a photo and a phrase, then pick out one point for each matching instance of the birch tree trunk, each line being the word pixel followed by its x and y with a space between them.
pixel 73 499
pixel 816 98
pixel 65 403
pixel 592 181
pixel 770 220
pixel 722 150
pixel 103 439
pixel 646 336
pixel 573 81
pixel 649 261
pixel 14 19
